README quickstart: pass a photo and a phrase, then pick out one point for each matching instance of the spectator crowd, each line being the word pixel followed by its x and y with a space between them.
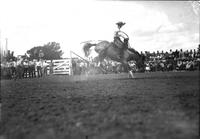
pixel 24 68
pixel 177 60
pixel 172 61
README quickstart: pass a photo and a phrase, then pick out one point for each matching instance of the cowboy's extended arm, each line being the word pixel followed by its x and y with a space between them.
pixel 120 35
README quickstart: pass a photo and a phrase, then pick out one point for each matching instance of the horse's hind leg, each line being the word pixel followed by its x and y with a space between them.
pixel 101 58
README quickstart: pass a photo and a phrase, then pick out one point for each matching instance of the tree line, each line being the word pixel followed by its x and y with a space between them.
pixel 51 50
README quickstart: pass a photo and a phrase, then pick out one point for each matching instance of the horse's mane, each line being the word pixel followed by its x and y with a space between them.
pixel 133 51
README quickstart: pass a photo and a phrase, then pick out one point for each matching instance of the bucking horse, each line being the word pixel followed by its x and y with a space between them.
pixel 115 53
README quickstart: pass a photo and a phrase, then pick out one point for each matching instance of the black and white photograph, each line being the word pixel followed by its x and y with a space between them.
pixel 99 69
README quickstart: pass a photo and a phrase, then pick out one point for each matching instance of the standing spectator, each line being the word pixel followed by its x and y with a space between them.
pixel 186 54
pixel 190 54
pixel 176 54
pixel 44 67
pixel 166 55
pixel 9 70
pixel 181 54
pixel 153 54
pixel 39 68
pixel 194 54
pixel 171 54
pixel 32 69
pixel 25 65
pixel 19 69
pixel 162 54
pixel 158 55
pixel 13 68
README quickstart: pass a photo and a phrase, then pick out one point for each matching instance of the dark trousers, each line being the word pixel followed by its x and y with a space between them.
pixel 39 71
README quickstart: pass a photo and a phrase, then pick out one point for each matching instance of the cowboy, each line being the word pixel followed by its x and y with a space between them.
pixel 120 38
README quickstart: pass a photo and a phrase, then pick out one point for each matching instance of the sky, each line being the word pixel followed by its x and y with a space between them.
pixel 150 25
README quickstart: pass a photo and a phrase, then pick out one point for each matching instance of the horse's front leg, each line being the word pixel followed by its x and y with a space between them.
pixel 131 74
pixel 128 68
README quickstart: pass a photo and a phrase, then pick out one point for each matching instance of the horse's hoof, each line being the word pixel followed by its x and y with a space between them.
pixel 131 77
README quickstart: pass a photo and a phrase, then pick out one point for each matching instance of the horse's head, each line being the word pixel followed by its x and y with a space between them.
pixel 139 58
pixel 141 62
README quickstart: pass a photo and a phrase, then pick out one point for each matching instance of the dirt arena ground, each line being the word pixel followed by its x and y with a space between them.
pixel 151 106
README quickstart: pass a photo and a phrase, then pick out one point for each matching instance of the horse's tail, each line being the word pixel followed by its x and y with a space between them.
pixel 86 48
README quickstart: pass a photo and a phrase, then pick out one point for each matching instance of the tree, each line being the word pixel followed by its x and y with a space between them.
pixel 9 56
pixel 51 51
